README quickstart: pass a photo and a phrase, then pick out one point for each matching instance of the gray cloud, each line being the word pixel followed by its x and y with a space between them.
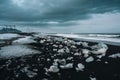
pixel 32 11
pixel 80 9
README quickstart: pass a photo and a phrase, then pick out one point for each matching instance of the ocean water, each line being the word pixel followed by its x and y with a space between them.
pixel 103 35
pixel 110 38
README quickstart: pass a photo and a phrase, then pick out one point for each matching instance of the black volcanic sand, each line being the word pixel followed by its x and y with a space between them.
pixel 20 68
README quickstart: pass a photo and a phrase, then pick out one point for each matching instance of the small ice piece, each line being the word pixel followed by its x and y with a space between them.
pixel 54 68
pixel 90 59
pixel 86 52
pixel 73 46
pixel 77 54
pixel 65 41
pixel 69 58
pixel 80 67
pixel 48 59
pixel 56 60
pixel 115 55
pixel 54 49
pixel 78 43
pixel 58 39
pixel 61 61
pixel 67 66
pixel 106 62
pixel 61 51
pixel 47 44
pixel 38 59
pixel 84 44
pixel 94 47
pixel 48 40
pixel 29 73
pixel 44 79
pixel 98 60
pixel 35 70
pixel 60 46
pixel 91 78
pixel 67 50
pixel 51 43
pixel 42 41
pixel 57 42
pixel 8 62
pixel 55 45
pixel 72 42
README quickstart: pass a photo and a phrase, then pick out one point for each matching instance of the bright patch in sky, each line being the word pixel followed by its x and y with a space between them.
pixel 18 2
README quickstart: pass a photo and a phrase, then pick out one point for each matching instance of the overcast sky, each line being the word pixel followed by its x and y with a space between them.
pixel 74 16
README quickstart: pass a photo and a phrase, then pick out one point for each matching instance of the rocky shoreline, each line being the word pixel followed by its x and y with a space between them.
pixel 60 58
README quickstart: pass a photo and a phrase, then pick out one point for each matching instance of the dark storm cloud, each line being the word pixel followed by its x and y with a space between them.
pixel 80 9
pixel 54 10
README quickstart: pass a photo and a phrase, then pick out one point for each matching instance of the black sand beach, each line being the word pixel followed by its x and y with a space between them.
pixel 62 58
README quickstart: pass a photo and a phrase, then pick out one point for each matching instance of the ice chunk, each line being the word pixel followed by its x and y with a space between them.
pixel 100 49
pixel 100 52
pixel 8 36
pixel 80 67
pixel 106 62
pixel 86 52
pixel 73 46
pixel 42 41
pixel 58 39
pixel 35 70
pixel 29 73
pixel 25 40
pixel 55 45
pixel 65 41
pixel 67 50
pixel 54 68
pixel 90 59
pixel 91 78
pixel 102 45
pixel 78 43
pixel 84 44
pixel 61 61
pixel 60 46
pixel 69 58
pixel 54 49
pixel 56 60
pixel 77 54
pixel 67 66
pixel 99 46
pixel 72 42
pixel 48 59
pixel 61 51
pixel 115 55
pixel 16 51
pixel 44 79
